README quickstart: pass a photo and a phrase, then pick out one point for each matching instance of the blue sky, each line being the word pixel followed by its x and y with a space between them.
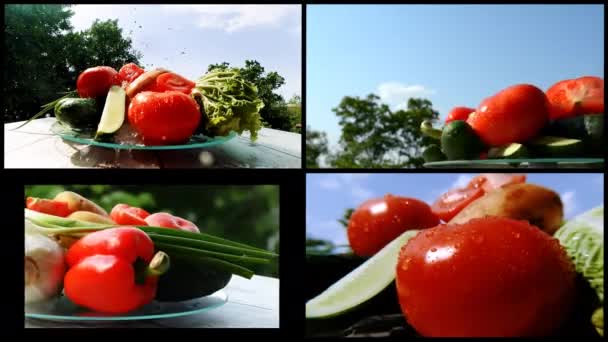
pixel 208 34
pixel 451 54
pixel 329 195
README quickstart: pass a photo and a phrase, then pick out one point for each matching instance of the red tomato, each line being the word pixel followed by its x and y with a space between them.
pixel 584 95
pixel 124 214
pixel 459 113
pixel 164 118
pixel 492 181
pixel 166 220
pixel 489 277
pixel 379 221
pixel 452 202
pixel 48 206
pixel 171 81
pixel 95 82
pixel 515 114
pixel 130 72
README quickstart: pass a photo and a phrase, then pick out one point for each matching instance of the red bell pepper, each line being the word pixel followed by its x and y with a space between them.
pixel 113 270
pixel 47 206
pixel 124 214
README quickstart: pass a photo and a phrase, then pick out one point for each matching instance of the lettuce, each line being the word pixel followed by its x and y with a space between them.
pixel 228 103
pixel 583 239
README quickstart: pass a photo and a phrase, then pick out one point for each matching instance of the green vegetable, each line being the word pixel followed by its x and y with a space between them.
pixel 426 127
pixel 113 114
pixel 460 142
pixel 589 128
pixel 48 107
pixel 221 254
pixel 80 114
pixel 228 103
pixel 511 151
pixel 583 239
pixel 432 154
pixel 550 146
pixel 360 285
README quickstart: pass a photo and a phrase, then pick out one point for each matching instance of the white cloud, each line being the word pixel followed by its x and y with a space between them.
pixel 329 183
pixel 397 94
pixel 232 18
pixel 351 182
pixel 570 204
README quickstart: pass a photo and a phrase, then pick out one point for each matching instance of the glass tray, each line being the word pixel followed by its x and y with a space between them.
pixel 196 141
pixel 62 309
pixel 521 163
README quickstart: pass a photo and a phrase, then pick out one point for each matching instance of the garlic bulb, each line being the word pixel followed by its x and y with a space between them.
pixel 44 265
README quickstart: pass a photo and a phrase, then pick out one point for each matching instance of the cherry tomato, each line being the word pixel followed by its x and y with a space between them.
pixel 379 221
pixel 459 113
pixel 171 81
pixel 584 95
pixel 124 214
pixel 452 202
pixel 95 82
pixel 130 72
pixel 164 118
pixel 47 206
pixel 489 277
pixel 166 220
pixel 515 114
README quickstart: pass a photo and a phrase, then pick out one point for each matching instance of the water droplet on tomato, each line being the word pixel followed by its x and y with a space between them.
pixel 517 235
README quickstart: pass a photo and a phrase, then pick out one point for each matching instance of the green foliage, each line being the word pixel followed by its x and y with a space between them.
pixel 275 113
pixel 43 55
pixel 316 146
pixel 373 136
pixel 249 214
pixel 347 214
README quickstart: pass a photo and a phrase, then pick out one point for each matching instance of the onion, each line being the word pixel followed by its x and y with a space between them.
pixel 143 80
pixel 44 265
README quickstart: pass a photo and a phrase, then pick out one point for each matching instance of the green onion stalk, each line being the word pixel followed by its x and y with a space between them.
pixel 222 254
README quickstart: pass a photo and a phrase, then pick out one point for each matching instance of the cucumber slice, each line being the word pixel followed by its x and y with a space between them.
pixel 549 146
pixel 362 283
pixel 426 127
pixel 511 151
pixel 113 114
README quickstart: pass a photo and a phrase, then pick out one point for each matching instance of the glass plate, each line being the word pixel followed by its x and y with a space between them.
pixel 522 163
pixel 62 309
pixel 196 141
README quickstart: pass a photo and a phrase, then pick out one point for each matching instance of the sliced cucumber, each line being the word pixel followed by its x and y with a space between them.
pixel 427 129
pixel 549 146
pixel 113 114
pixel 511 151
pixel 362 283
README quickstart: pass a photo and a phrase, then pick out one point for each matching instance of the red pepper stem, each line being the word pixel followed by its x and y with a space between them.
pixel 159 265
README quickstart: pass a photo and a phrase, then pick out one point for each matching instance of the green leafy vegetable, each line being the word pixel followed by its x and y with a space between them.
pixel 228 103
pixel 583 239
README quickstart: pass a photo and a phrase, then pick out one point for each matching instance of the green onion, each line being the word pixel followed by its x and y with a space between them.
pixel 47 107
pixel 204 253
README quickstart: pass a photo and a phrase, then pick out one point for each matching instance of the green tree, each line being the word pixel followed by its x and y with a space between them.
pixel 294 107
pixel 373 136
pixel 316 146
pixel 275 113
pixel 44 56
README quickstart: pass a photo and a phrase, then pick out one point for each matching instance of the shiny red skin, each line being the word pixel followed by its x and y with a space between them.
pixel 171 81
pixel 452 202
pixel 101 275
pixel 167 220
pixel 459 113
pixel 379 221
pixel 96 82
pixel 488 277
pixel 129 72
pixel 164 118
pixel 124 214
pixel 47 206
pixel 515 114
pixel 583 95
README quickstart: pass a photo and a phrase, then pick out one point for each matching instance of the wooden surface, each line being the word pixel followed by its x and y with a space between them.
pixel 34 146
pixel 251 303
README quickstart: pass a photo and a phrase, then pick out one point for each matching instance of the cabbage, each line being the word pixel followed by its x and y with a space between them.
pixel 228 103
pixel 583 239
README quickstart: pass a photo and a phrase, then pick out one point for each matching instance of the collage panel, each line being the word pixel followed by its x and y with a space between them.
pixel 454 255
pixel 455 86
pixel 151 256
pixel 152 86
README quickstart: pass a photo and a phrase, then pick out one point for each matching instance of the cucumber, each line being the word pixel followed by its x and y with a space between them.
pixel 511 151
pixel 187 279
pixel 433 154
pixel 78 113
pixel 459 141
pixel 549 146
pixel 426 127
pixel 589 128
pixel 113 114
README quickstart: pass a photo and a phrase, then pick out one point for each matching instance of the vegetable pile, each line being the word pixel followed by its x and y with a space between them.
pixel 116 263
pixel 522 121
pixel 500 261
pixel 158 107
